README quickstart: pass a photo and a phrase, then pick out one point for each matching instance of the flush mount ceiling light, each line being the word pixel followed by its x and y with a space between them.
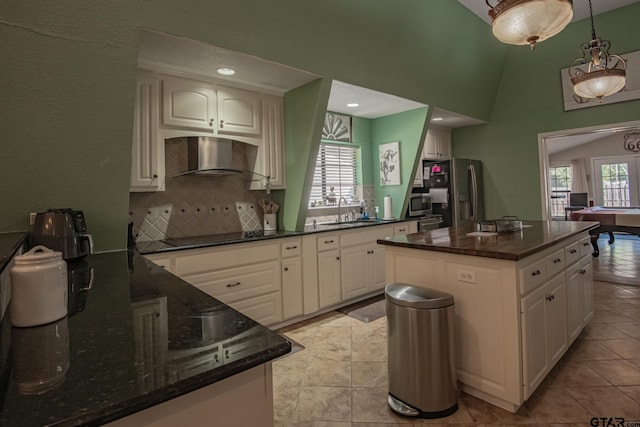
pixel 603 74
pixel 523 22
pixel 353 105
pixel 226 71
pixel 437 119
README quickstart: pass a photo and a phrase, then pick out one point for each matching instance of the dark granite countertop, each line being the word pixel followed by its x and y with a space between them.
pixel 181 243
pixel 9 244
pixel 101 363
pixel 534 237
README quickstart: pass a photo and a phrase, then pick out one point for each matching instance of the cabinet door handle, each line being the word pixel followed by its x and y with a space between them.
pixel 557 260
pixel 211 122
pixel 231 285
pixel 573 251
pixel 293 247
pixel 328 241
pixel 536 273
pixel 583 271
pixel 221 124
pixel 586 244
pixel 286 269
pixel 550 297
pixel 337 258
pixel 155 176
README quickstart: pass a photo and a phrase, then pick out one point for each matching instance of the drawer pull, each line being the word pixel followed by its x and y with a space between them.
pixel 286 269
pixel 550 297
pixel 573 251
pixel 583 271
pixel 328 241
pixel 231 285
pixel 586 244
pixel 536 273
pixel 557 260
pixel 337 258
pixel 293 247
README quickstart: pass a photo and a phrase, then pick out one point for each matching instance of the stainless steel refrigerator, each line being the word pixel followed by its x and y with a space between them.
pixel 455 187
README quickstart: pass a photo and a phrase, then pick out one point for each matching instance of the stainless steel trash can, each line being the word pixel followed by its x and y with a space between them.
pixel 421 351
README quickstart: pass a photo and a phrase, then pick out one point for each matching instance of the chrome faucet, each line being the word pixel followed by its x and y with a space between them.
pixel 340 199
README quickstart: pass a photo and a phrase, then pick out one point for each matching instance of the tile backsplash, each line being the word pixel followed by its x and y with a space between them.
pixel 195 205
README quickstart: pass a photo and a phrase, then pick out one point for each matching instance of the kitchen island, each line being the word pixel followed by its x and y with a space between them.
pixel 138 347
pixel 520 298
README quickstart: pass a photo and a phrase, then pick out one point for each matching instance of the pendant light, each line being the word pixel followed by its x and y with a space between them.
pixel 603 74
pixel 524 22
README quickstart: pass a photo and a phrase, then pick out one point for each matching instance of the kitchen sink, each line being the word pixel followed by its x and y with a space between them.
pixel 352 222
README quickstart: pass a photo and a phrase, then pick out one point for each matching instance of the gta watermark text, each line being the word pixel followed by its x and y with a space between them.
pixel 613 422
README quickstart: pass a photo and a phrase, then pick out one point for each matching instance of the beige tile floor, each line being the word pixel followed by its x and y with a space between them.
pixel 340 379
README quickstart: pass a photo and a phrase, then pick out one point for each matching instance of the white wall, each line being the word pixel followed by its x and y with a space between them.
pixel 610 146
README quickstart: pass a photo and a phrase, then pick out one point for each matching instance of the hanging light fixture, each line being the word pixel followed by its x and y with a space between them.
pixel 529 21
pixel 603 74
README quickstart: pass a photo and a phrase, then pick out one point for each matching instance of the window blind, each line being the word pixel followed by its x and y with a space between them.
pixel 335 168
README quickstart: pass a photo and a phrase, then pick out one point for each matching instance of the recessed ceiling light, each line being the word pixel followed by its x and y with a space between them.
pixel 353 104
pixel 225 71
pixel 436 119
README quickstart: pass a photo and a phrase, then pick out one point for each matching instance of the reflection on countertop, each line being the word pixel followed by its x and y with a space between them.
pixel 132 346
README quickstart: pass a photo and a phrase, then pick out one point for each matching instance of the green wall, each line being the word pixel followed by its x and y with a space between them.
pixel 68 78
pixel 529 101
pixel 408 129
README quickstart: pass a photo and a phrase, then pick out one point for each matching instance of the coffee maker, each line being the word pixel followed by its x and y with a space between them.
pixel 63 230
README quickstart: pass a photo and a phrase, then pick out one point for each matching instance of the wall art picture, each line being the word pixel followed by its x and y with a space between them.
pixel 389 163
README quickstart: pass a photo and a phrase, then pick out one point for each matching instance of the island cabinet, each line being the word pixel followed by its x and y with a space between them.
pixel 516 314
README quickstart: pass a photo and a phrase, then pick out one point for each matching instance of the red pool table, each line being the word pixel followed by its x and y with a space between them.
pixel 624 220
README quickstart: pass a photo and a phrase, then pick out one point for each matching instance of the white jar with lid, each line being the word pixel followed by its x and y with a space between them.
pixel 38 287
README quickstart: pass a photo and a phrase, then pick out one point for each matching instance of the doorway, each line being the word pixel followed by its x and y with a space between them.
pixel 547 143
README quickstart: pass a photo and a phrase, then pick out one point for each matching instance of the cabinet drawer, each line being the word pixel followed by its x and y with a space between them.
pixel 532 276
pixel 208 259
pixel 290 248
pixel 555 263
pixel 572 253
pixel 585 246
pixel 160 261
pixel 265 309
pixel 239 283
pixel 328 241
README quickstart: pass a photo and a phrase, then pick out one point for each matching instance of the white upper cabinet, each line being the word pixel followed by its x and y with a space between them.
pixel 147 165
pixel 239 112
pixel 270 158
pixel 437 144
pixel 168 106
pixel 188 104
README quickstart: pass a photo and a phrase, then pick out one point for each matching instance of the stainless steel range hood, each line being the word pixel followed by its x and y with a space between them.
pixel 212 156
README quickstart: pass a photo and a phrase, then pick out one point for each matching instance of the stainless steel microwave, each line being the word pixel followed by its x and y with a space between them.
pixel 419 205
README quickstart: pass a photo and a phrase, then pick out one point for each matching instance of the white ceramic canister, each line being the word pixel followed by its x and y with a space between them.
pixel 38 287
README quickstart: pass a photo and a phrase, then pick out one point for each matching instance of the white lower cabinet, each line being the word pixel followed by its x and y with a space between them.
pixel 329 282
pixel 292 289
pixel 362 270
pixel 544 331
pixel 276 280
pixel 580 296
